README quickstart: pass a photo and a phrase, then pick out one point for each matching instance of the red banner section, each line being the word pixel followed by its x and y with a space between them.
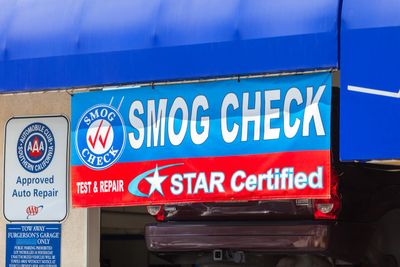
pixel 288 175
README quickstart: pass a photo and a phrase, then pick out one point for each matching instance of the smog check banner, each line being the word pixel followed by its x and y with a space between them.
pixel 257 139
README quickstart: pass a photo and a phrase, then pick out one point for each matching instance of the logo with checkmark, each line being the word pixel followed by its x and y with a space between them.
pixel 100 137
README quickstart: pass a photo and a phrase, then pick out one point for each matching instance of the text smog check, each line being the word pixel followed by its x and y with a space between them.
pixel 230 107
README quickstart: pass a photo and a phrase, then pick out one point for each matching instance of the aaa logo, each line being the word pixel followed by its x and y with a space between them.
pixel 35 147
pixel 33 210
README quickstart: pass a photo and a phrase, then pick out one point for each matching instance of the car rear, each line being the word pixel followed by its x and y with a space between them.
pixel 298 225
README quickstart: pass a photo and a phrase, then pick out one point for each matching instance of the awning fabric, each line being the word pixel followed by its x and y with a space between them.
pixel 59 44
pixel 370 80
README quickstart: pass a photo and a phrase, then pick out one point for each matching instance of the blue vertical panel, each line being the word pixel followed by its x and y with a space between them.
pixel 370 80
pixel 53 44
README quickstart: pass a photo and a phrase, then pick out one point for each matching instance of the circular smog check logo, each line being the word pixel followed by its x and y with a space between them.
pixel 35 147
pixel 100 137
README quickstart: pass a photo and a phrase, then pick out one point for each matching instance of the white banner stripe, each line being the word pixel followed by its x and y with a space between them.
pixel 373 91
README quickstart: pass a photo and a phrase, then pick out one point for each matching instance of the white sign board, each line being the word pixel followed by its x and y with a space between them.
pixel 35 169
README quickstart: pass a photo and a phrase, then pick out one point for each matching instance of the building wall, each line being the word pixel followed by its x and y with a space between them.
pixel 80 241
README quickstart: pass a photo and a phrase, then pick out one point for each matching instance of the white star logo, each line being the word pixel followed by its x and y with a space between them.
pixel 155 182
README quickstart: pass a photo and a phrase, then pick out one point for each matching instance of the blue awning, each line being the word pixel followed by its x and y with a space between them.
pixel 370 80
pixel 50 44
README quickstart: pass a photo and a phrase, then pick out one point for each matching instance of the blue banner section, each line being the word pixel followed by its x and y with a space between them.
pixel 111 42
pixel 33 245
pixel 224 118
pixel 370 84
